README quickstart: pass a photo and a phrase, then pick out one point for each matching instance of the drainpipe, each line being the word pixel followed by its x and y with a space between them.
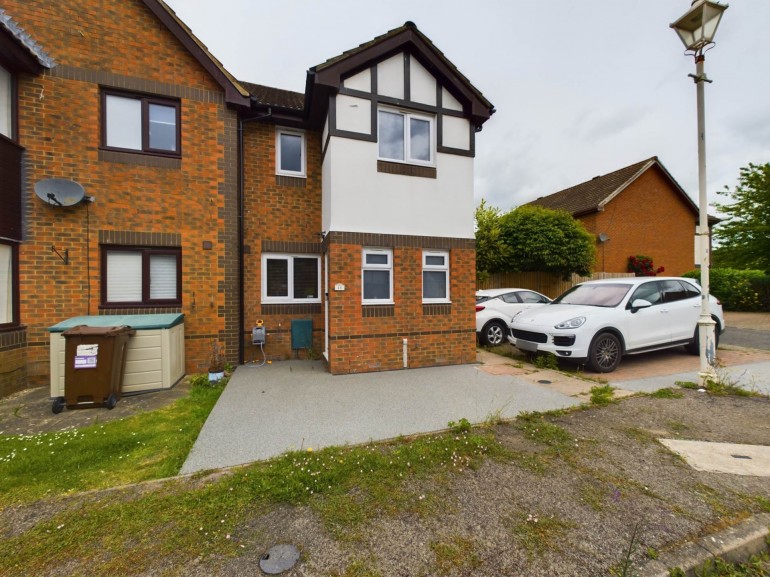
pixel 405 351
pixel 241 231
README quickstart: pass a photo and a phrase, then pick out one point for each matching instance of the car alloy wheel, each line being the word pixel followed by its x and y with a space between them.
pixel 604 354
pixel 494 333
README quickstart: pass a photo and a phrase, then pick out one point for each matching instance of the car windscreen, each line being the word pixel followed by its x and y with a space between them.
pixel 597 295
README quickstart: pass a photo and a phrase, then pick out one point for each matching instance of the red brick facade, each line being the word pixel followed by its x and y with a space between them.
pixel 648 217
pixel 186 202
pixel 219 202
pixel 365 338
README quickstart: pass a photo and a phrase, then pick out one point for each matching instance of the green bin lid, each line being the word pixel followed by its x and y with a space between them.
pixel 137 322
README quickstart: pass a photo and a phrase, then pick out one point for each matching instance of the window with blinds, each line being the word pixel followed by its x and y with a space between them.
pixel 141 276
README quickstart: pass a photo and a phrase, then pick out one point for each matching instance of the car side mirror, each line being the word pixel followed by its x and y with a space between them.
pixel 640 304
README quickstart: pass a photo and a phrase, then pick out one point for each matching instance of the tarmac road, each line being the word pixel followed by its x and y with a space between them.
pixel 749 338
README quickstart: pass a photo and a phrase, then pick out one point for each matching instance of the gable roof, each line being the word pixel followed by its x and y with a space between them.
pixel 593 195
pixel 327 77
pixel 234 92
pixel 19 48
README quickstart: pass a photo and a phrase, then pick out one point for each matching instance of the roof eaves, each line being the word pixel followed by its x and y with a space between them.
pixel 234 92
pixel 651 162
pixel 26 41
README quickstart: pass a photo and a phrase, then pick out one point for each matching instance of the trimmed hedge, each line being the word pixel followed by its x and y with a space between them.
pixel 739 290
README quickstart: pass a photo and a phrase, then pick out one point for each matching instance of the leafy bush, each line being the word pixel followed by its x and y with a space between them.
pixel 642 265
pixel 738 289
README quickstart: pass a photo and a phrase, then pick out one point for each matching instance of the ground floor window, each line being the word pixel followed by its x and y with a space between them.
pixel 141 276
pixel 435 276
pixel 8 287
pixel 377 276
pixel 291 278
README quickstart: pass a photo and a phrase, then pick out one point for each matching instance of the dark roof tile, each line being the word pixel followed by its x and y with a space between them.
pixel 268 96
pixel 24 39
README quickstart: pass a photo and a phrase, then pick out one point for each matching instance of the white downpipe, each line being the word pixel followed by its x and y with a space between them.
pixel 406 352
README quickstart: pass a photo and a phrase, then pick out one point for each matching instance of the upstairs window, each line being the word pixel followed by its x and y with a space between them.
pixel 405 137
pixel 290 153
pixel 141 124
pixel 377 276
pixel 141 276
pixel 435 276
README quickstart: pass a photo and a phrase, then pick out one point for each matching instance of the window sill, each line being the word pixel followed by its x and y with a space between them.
pixel 405 169
pixel 140 158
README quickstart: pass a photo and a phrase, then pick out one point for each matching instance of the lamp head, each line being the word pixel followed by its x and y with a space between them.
pixel 698 26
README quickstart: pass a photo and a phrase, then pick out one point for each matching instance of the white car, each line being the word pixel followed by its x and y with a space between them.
pixel 597 322
pixel 495 307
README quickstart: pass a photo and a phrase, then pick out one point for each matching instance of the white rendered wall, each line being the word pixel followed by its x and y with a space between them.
pixel 390 77
pixel 422 85
pixel 359 199
pixel 354 114
pixel 361 81
pixel 456 133
pixel 449 101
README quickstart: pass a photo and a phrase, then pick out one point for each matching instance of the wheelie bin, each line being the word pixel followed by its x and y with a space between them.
pixel 93 367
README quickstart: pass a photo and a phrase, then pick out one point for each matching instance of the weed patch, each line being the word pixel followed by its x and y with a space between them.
pixel 538 534
pixel 537 429
pixel 457 553
pixel 666 394
pixel 602 395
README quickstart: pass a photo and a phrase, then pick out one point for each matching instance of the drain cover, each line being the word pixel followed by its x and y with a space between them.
pixel 740 457
pixel 279 559
pixel 544 382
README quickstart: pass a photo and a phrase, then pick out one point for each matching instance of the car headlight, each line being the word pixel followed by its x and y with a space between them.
pixel 572 323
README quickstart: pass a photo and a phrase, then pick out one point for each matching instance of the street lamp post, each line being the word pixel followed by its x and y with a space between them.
pixel 696 29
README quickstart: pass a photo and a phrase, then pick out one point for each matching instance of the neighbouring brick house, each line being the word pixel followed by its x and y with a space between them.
pixel 229 201
pixel 639 209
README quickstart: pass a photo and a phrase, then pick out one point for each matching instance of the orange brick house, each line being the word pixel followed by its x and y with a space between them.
pixel 228 201
pixel 639 209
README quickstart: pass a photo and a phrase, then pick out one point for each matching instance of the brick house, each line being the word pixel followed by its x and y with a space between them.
pixel 229 201
pixel 639 209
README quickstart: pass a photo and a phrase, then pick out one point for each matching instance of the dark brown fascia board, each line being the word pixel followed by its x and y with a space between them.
pixel 15 57
pixel 233 93
pixel 408 39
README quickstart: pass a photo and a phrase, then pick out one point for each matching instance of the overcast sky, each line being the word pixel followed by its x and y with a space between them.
pixel 581 87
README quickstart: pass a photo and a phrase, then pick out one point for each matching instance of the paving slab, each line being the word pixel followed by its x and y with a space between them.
pixel 736 459
pixel 294 405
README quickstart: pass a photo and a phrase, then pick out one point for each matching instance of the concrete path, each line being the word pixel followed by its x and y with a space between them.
pixel 291 405
pixel 752 377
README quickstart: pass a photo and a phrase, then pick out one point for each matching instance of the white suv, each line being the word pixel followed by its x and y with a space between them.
pixel 597 322
pixel 495 307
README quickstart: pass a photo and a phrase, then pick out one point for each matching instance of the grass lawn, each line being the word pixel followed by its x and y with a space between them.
pixel 146 446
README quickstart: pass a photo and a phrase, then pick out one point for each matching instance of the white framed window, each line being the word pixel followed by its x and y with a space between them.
pixel 405 137
pixel 377 276
pixel 290 152
pixel 291 278
pixel 435 276
pixel 141 276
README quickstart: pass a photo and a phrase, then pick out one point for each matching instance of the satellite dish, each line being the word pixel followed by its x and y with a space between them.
pixel 59 191
pixel 603 237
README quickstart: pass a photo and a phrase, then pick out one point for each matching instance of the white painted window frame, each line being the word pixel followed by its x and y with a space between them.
pixel 436 268
pixel 377 267
pixel 291 132
pixel 289 299
pixel 406 116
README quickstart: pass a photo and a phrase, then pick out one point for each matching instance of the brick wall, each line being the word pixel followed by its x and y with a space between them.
pixel 650 218
pixel 13 361
pixel 281 215
pixel 192 198
pixel 370 338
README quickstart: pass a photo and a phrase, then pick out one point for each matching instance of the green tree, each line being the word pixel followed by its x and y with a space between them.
pixel 744 237
pixel 491 252
pixel 541 239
